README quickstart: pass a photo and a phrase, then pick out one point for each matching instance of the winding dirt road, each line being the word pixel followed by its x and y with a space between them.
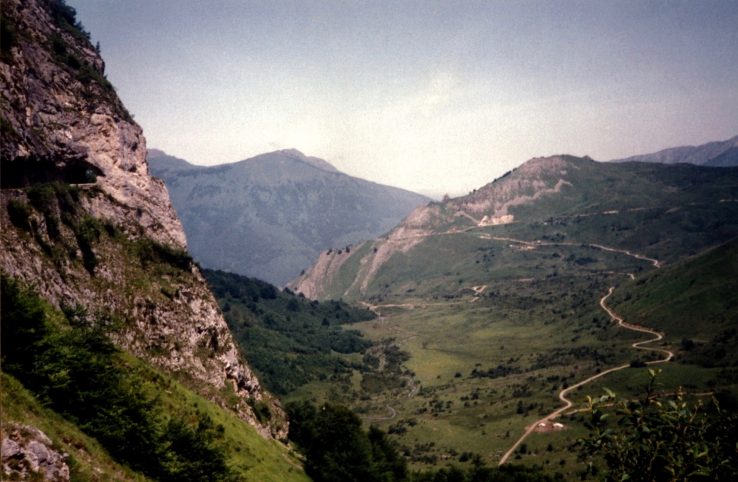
pixel 478 290
pixel 392 413
pixel 657 336
pixel 533 244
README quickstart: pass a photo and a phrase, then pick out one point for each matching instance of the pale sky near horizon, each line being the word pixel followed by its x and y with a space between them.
pixel 438 96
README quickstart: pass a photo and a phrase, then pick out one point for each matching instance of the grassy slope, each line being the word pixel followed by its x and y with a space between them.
pixel 552 320
pixel 695 304
pixel 538 318
pixel 666 212
pixel 88 460
pixel 151 271
pixel 252 457
pixel 692 299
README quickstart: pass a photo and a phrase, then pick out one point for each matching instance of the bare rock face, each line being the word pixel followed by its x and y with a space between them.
pixel 534 179
pixel 62 120
pixel 110 240
pixel 28 454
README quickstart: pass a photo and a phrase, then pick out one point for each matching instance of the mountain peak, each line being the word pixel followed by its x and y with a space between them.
pixel 276 212
pixel 297 155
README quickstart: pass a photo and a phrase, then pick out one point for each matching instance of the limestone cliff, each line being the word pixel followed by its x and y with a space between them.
pixel 87 226
pixel 61 120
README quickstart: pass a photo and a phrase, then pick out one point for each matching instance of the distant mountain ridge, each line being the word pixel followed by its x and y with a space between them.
pixel 713 154
pixel 168 164
pixel 270 216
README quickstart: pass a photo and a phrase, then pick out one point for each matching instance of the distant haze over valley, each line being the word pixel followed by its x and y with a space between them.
pixel 270 216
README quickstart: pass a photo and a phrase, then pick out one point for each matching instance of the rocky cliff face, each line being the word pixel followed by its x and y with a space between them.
pixel 62 120
pixel 103 235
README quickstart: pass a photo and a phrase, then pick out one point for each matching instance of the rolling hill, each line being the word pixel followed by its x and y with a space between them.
pixel 695 302
pixel 269 216
pixel 664 211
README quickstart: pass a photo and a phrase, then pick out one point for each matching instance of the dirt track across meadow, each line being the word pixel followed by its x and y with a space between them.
pixel 657 336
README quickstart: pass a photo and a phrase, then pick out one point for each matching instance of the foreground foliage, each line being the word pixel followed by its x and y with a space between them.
pixel 337 449
pixel 75 369
pixel 670 439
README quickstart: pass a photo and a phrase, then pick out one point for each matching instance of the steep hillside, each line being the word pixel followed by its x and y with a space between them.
pixel 664 211
pixel 291 340
pixel 89 230
pixel 694 302
pixel 273 214
pixel 715 154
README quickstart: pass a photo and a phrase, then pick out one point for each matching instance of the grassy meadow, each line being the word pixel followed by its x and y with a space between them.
pixel 483 364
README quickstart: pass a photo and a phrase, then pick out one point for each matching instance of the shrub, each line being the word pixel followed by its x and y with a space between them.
pixel 150 251
pixel 42 197
pixel 261 410
pixel 669 439
pixel 87 232
pixel 337 449
pixel 19 214
pixel 637 363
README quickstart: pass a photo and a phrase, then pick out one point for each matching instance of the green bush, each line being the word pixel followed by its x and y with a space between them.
pixel 87 232
pixel 261 410
pixel 75 369
pixel 663 439
pixel 337 449
pixel 43 197
pixel 19 214
pixel 289 340
pixel 153 252
pixel 60 203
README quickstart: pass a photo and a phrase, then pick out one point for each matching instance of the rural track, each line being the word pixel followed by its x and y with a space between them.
pixel 390 410
pixel 533 244
pixel 657 336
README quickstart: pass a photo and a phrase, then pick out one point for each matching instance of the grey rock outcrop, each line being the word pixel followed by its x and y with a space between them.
pixel 27 454
pixel 62 119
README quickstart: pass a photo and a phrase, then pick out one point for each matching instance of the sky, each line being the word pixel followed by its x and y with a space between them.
pixel 432 96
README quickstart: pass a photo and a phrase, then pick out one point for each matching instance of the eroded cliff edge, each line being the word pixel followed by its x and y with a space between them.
pixel 85 224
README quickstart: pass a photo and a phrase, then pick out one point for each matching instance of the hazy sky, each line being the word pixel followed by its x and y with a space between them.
pixel 425 95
